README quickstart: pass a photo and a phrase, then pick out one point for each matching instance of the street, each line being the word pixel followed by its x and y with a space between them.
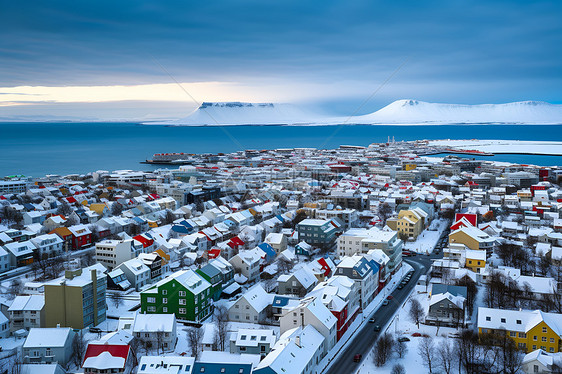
pixel 363 340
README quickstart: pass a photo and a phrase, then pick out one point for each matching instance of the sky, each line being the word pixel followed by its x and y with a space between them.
pixel 136 59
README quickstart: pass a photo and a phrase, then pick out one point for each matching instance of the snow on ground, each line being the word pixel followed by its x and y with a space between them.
pixel 426 241
pixel 402 325
pixel 504 146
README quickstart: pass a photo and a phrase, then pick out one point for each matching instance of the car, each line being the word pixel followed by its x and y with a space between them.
pixel 372 320
pixel 95 330
pixel 357 357
pixel 390 297
pixel 377 328
pixel 403 339
pixel 385 303
pixel 400 286
pixel 416 334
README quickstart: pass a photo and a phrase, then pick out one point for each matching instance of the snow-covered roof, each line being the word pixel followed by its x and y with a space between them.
pixel 257 297
pixel 47 337
pixel 154 322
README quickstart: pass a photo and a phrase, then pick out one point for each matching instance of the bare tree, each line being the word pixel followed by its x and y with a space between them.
pixel 116 209
pixel 398 369
pixel 194 337
pixel 78 348
pixel 88 258
pixel 64 209
pixel 400 348
pixel 383 349
pixel 426 350
pixel 445 357
pixel 221 327
pixel 384 212
pixel 135 345
pixel 284 266
pixel 159 342
pixel 15 288
pixel 417 313
pixel 116 298
pixel 169 217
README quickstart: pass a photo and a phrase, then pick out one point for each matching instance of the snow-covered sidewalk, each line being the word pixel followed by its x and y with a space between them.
pixel 426 241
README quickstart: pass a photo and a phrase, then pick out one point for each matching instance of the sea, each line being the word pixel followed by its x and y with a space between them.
pixel 37 149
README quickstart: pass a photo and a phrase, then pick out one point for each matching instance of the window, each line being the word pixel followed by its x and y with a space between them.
pixel 488 318
pixel 165 300
pixel 513 334
pixel 151 300
pixel 182 310
pixel 544 330
pixel 543 339
pixel 164 292
pixel 503 320
pixel 522 335
pixel 165 309
pixel 182 293
pixel 151 309
pixel 182 301
pixel 535 337
pixel 534 347
pixel 552 340
pixel 518 321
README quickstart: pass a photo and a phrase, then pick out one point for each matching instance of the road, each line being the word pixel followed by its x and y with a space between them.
pixel 363 340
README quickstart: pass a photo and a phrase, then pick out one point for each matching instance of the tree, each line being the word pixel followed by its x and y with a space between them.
pixel 383 349
pixel 64 209
pixel 116 299
pixel 284 266
pixel 194 337
pixel 398 369
pixel 471 291
pixel 544 265
pixel 15 288
pixel 468 351
pixel 169 218
pixel 135 345
pixel 116 209
pixel 400 348
pixel 426 350
pixel 78 348
pixel 445 357
pixel 159 341
pixel 417 313
pixel 88 258
pixel 384 212
pixel 221 327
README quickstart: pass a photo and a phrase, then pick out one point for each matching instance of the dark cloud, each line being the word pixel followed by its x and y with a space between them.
pixel 460 51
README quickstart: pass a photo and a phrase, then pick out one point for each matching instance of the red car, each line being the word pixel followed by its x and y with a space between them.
pixel 390 297
pixel 357 358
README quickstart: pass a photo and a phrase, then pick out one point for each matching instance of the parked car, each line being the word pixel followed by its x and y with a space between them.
pixel 403 339
pixel 390 297
pixel 377 328
pixel 372 320
pixel 385 303
pixel 357 357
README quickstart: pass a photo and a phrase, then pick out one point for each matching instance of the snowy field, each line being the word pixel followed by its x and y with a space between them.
pixel 504 146
pixel 426 241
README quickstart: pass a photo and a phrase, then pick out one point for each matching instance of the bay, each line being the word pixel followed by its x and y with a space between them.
pixel 36 149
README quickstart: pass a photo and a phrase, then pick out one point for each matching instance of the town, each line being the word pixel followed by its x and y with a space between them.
pixel 285 261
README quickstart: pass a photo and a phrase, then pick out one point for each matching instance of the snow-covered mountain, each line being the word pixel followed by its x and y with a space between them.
pixel 413 111
pixel 398 112
pixel 237 113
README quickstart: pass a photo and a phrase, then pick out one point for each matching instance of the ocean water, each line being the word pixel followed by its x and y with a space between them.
pixel 36 149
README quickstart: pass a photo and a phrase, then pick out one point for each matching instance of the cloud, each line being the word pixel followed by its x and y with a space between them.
pixel 295 50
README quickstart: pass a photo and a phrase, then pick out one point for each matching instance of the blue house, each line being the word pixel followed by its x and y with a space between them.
pixel 269 251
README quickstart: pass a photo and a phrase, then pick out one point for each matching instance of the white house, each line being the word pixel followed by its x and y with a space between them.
pixel 156 329
pixel 137 273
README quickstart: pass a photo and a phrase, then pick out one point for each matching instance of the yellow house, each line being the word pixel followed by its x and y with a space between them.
pixel 409 222
pixel 152 224
pixel 531 330
pixel 408 167
pixel 473 238
pixel 475 260
pixel 99 208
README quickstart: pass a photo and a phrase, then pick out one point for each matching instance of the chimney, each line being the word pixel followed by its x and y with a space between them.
pixel 298 341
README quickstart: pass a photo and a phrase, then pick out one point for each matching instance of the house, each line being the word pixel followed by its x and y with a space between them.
pixel 27 312
pixel 298 283
pixel 365 273
pixel 48 345
pixel 304 249
pixel 317 232
pixel 117 280
pixel 33 216
pixel 541 362
pixel 107 358
pixel 53 368
pixel 78 299
pixel 4 326
pixel 112 253
pixel 252 341
pixel 166 365
pixel 136 272
pixel 311 311
pixel 475 260
pixel 530 330
pixel 277 241
pixel 409 223
pixel 20 253
pixel 226 269
pixel 298 351
pixel 156 263
pixel 184 293
pixel 247 263
pixel 473 238
pixel 252 306
pixel 446 309
pixel 48 245
pixel 156 329
pixel 4 260
pixel 66 235
pixel 81 236
pixel 214 276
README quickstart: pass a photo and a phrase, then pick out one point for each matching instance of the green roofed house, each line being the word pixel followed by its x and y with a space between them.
pixel 184 293
pixel 212 275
